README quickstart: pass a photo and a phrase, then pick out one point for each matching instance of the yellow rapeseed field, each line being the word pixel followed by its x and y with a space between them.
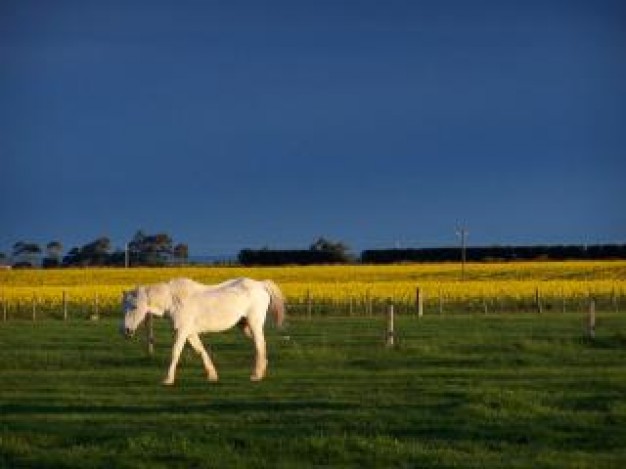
pixel 482 282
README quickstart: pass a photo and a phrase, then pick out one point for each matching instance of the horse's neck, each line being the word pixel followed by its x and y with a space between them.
pixel 174 314
pixel 159 299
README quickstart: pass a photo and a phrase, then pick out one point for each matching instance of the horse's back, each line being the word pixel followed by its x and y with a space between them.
pixel 241 293
pixel 185 287
pixel 224 305
pixel 243 284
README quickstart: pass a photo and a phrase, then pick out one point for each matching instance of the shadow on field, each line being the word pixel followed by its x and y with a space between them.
pixel 616 341
pixel 173 408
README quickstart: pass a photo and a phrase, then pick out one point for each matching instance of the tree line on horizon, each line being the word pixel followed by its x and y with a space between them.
pixel 160 250
pixel 496 253
pixel 142 250
pixel 337 253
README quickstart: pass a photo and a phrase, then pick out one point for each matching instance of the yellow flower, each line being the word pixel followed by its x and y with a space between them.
pixel 483 282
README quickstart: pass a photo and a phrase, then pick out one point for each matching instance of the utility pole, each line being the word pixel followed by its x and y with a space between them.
pixel 126 256
pixel 462 233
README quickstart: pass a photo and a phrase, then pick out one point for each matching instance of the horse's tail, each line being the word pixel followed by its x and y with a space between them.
pixel 277 301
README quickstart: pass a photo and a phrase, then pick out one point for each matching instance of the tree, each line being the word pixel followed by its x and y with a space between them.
pixel 322 251
pixel 337 250
pixel 95 253
pixel 72 258
pixel 181 252
pixel 53 254
pixel 26 254
pixel 152 250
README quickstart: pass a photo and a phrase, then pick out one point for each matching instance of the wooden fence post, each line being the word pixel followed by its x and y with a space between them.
pixel 64 305
pixel 96 308
pixel 440 303
pixel 419 302
pixel 590 323
pixel 309 305
pixel 34 307
pixel 149 334
pixel 390 324
pixel 538 301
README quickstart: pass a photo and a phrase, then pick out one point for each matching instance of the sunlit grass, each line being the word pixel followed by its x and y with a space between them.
pixel 488 391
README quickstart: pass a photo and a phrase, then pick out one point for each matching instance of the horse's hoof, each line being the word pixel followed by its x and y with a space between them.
pixel 213 379
pixel 255 378
pixel 167 382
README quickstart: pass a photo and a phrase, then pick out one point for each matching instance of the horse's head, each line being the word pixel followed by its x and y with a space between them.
pixel 135 307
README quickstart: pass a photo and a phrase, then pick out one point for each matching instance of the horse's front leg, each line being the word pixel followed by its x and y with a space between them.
pixel 196 343
pixel 177 349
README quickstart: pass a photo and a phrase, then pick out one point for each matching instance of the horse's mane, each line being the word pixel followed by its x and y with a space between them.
pixel 180 288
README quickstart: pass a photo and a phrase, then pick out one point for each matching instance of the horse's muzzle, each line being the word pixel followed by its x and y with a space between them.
pixel 128 332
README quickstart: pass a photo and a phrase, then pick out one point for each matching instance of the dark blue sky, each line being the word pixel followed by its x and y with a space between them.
pixel 232 124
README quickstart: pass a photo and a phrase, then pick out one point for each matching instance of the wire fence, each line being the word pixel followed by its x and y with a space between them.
pixel 67 308
pixel 441 305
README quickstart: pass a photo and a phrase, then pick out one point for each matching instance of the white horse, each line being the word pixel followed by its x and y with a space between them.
pixel 195 308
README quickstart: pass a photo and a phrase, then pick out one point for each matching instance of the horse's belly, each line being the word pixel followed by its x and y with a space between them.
pixel 217 322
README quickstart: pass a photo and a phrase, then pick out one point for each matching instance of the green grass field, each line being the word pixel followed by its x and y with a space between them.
pixel 459 390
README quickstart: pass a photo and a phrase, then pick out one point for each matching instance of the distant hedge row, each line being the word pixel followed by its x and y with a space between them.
pixel 495 253
pixel 263 257
pixel 290 257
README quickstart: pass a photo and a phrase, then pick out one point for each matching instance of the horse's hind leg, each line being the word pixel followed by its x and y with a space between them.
pixel 260 366
pixel 196 343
